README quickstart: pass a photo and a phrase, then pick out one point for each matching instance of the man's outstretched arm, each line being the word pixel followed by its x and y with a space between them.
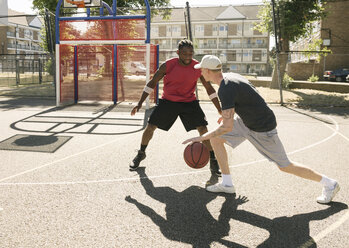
pixel 149 87
pixel 211 92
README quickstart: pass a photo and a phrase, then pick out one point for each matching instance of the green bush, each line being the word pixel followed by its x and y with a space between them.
pixel 287 81
pixel 50 68
pixel 313 78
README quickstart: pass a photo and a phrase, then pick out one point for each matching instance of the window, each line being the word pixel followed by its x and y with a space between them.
pixel 199 29
pixel 176 31
pixel 155 31
pixel 223 28
pixel 169 31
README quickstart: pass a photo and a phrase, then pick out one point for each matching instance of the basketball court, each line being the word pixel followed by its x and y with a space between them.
pixel 82 194
pixel 65 179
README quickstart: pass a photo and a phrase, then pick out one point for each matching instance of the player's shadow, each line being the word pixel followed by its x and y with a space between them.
pixel 188 219
pixel 288 231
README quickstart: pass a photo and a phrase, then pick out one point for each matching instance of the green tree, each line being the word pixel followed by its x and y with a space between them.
pixel 131 4
pixel 294 20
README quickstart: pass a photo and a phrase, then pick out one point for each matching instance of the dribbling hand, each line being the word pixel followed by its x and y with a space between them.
pixel 192 140
pixel 135 109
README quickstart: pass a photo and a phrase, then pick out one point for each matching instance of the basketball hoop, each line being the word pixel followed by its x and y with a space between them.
pixel 81 3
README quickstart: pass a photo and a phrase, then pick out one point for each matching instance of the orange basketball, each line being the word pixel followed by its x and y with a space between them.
pixel 196 155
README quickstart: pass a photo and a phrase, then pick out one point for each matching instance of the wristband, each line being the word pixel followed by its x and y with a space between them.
pixel 213 95
pixel 147 89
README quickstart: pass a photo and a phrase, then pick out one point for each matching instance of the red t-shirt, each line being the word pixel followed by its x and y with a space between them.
pixel 180 81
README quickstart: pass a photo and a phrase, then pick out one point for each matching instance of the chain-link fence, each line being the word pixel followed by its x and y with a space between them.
pixel 19 70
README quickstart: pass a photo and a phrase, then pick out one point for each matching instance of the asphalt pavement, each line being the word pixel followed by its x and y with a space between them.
pixel 82 193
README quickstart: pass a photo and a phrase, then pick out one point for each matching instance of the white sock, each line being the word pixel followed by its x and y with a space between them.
pixel 227 181
pixel 328 182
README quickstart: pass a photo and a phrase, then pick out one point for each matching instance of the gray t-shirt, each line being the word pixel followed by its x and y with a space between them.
pixel 237 92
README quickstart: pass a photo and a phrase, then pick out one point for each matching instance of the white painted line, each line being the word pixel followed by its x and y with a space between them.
pixel 325 232
pixel 321 141
pixel 151 177
pixel 65 158
pixel 331 228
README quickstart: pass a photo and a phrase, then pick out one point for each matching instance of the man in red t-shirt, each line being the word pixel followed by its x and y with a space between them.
pixel 178 99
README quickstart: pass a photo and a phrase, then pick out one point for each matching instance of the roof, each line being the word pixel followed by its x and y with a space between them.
pixel 32 21
pixel 246 12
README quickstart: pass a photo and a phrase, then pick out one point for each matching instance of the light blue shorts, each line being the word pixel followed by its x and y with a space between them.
pixel 267 143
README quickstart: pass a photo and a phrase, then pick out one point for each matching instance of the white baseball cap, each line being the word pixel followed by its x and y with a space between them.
pixel 209 62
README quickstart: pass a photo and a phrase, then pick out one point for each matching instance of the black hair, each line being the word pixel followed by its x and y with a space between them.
pixel 185 43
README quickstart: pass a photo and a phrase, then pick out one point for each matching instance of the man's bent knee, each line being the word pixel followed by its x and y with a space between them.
pixel 287 168
pixel 150 128
pixel 216 141
pixel 202 130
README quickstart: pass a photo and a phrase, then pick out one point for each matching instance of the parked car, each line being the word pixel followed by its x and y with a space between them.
pixel 339 75
pixel 348 78
pixel 137 68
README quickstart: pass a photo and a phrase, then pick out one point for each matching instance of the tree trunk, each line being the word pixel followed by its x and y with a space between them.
pixel 283 58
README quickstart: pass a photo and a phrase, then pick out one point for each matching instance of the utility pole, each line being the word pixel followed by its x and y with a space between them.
pixel 277 52
pixel 191 38
pixel 186 25
pixel 189 22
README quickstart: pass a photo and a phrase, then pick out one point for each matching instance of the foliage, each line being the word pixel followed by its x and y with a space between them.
pixel 130 4
pixel 314 48
pixel 287 81
pixel 294 18
pixel 50 67
pixel 313 78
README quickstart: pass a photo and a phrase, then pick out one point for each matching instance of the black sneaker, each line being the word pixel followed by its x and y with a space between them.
pixel 135 162
pixel 214 167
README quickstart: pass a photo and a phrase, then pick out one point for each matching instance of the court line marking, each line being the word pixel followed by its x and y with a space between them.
pixel 335 131
pixel 325 232
pixel 331 228
pixel 65 158
pixel 316 238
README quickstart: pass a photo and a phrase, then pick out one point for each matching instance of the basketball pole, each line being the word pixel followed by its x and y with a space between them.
pixel 147 75
pixel 58 80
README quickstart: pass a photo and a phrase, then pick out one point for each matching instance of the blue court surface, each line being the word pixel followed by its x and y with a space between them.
pixel 65 182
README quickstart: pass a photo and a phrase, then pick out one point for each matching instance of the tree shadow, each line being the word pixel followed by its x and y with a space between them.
pixel 10 103
pixel 189 221
pixel 327 104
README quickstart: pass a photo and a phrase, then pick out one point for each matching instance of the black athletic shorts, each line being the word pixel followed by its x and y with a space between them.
pixel 166 113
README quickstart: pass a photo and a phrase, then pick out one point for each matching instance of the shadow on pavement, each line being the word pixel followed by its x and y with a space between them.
pixel 327 104
pixel 189 221
pixel 187 217
pixel 10 103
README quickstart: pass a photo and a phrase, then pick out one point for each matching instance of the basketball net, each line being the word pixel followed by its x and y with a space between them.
pixel 78 4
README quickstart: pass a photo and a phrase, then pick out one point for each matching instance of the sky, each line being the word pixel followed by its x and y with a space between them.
pixel 26 5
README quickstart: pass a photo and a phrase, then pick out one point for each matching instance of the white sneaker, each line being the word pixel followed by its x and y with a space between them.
pixel 220 188
pixel 328 194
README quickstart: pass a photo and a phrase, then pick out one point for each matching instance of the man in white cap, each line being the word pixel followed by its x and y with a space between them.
pixel 255 122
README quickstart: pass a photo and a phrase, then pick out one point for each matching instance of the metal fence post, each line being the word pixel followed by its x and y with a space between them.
pixel 40 71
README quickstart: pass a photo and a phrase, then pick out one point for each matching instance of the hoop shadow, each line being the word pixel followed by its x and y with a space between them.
pixel 189 221
pixel 91 123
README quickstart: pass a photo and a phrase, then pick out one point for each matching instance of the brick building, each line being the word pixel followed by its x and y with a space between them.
pixel 333 31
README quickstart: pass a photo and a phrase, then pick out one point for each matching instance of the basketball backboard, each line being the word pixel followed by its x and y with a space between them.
pixel 81 3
